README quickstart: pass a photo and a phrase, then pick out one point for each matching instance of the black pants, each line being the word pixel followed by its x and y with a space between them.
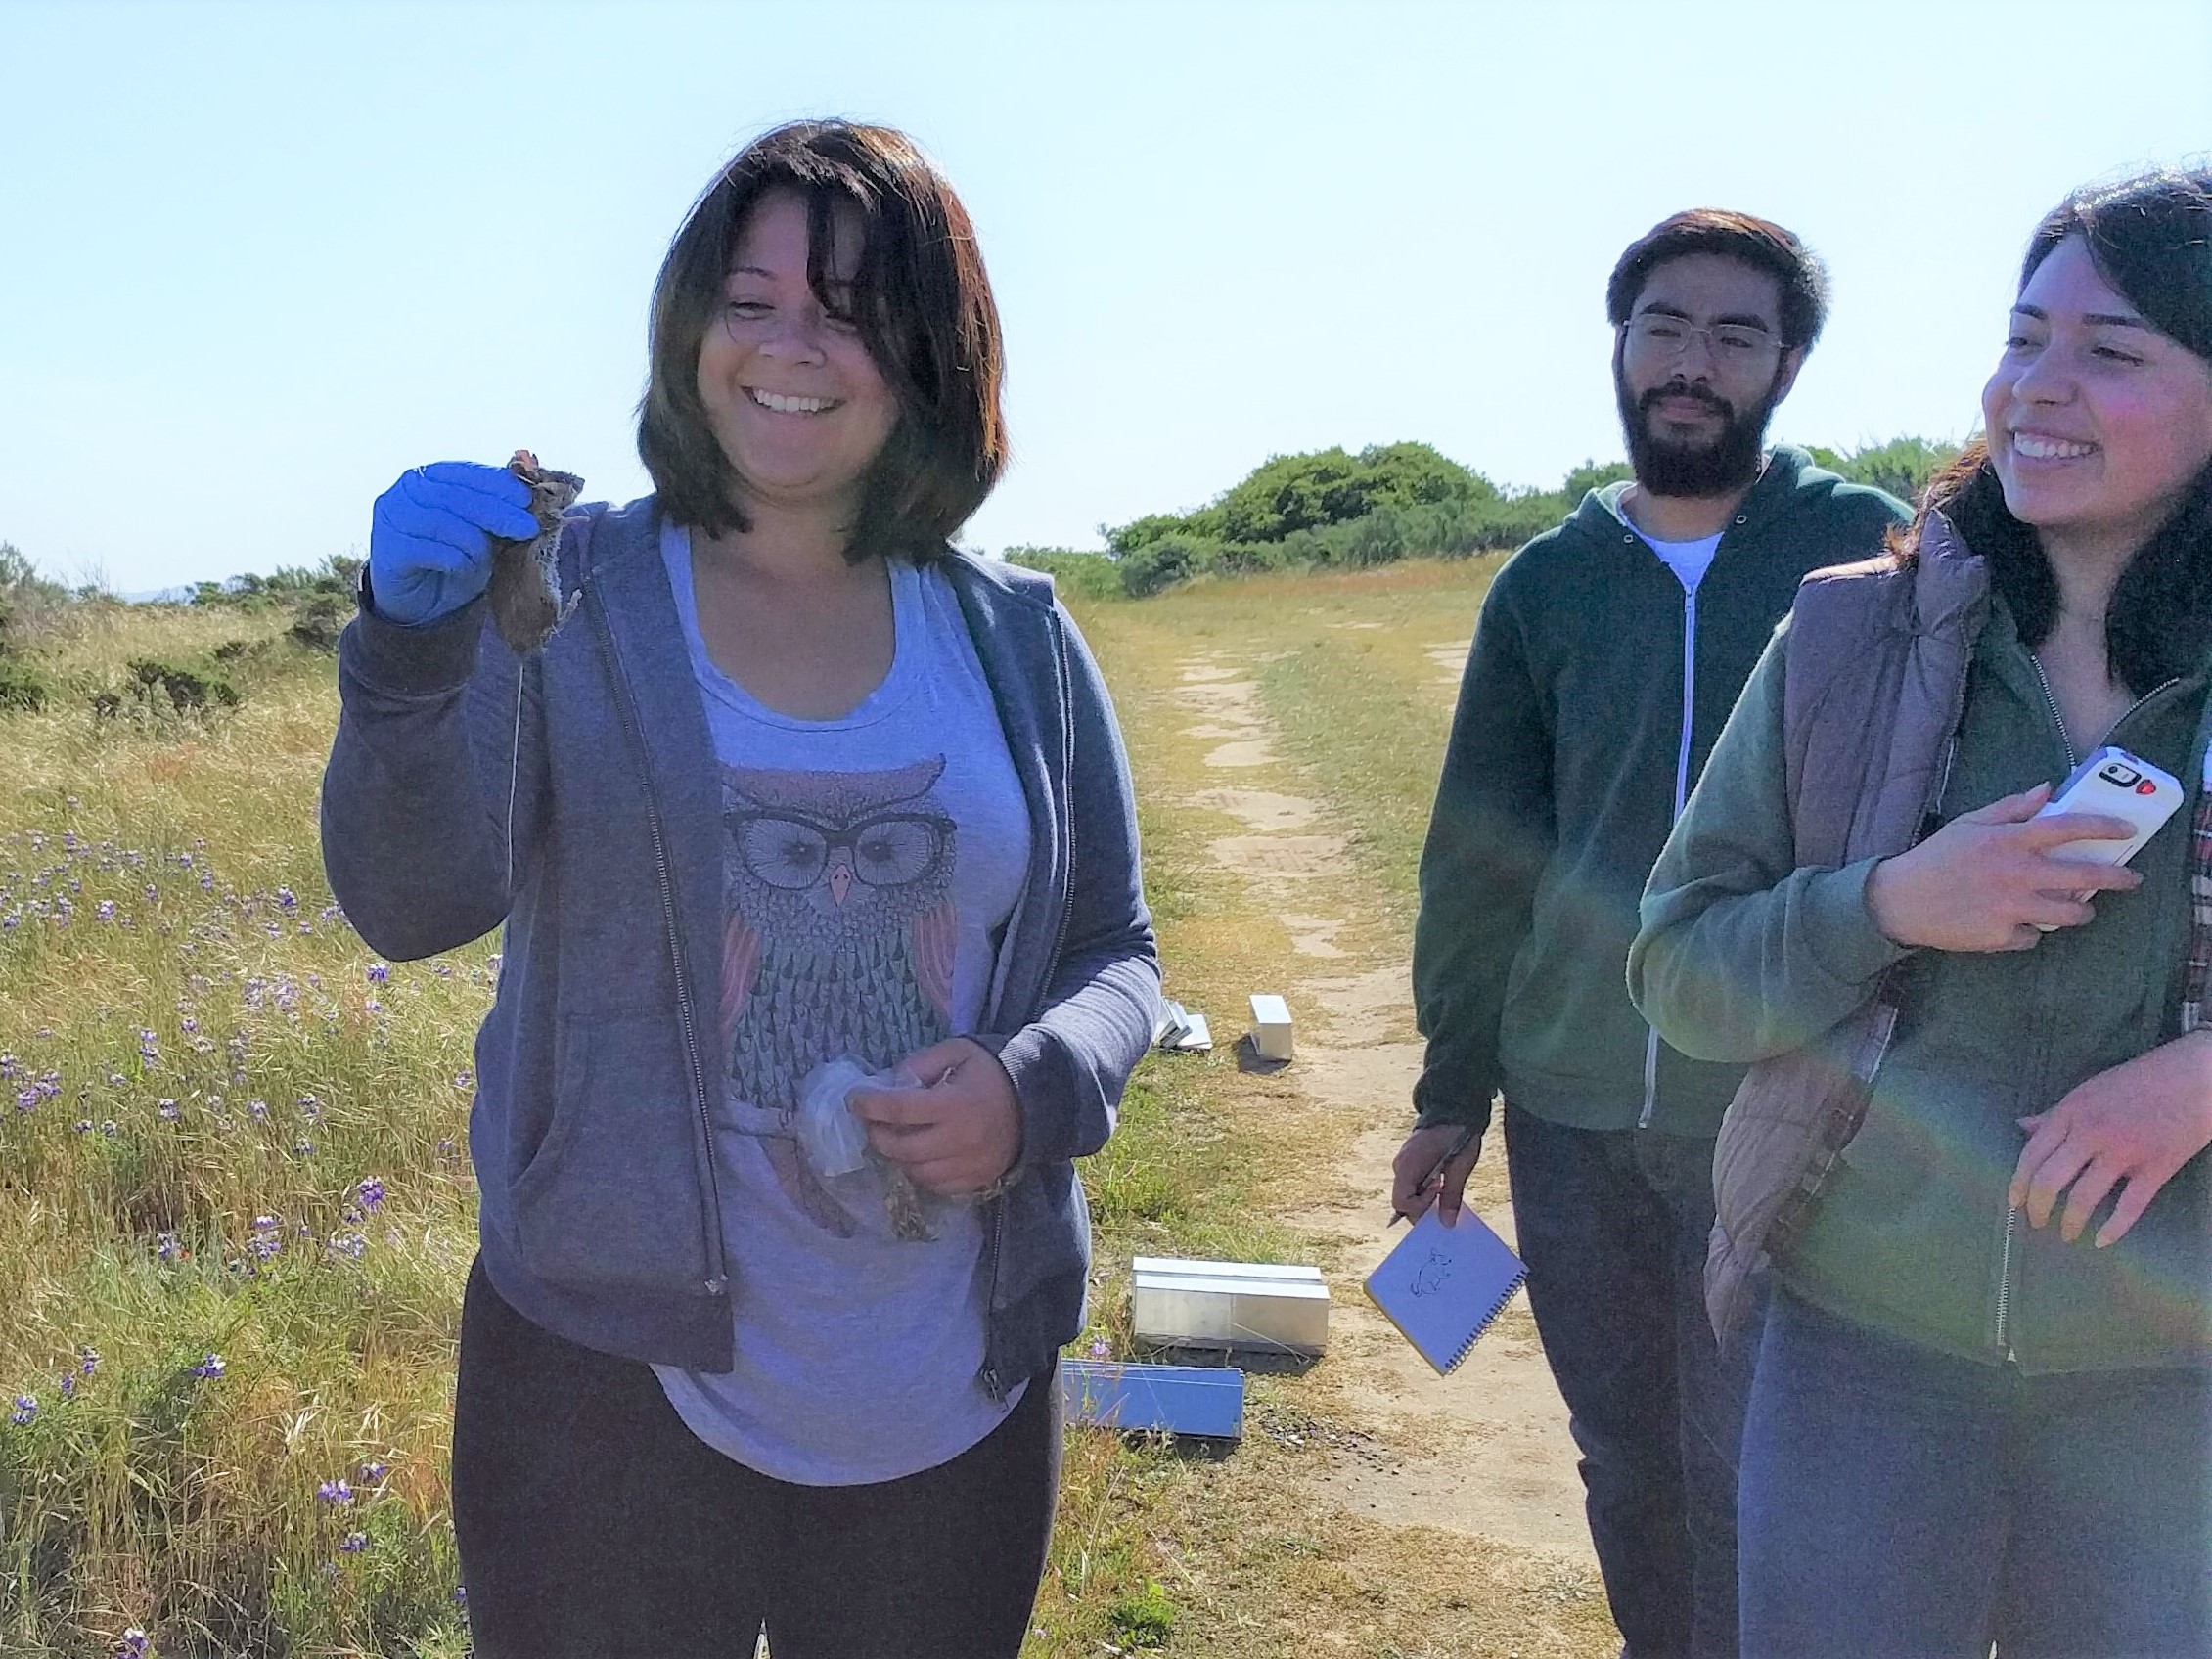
pixel 592 1522
pixel 1613 1227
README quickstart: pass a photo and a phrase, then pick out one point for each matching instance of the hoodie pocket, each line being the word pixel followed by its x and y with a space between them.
pixel 610 1201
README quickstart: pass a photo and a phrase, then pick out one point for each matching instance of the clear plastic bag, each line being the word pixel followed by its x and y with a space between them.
pixel 834 1144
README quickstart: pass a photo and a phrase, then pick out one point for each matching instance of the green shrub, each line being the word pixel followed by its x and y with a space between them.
pixel 1593 475
pixel 186 689
pixel 1903 466
pixel 1086 576
pixel 24 687
pixel 1163 562
pixel 29 603
pixel 320 618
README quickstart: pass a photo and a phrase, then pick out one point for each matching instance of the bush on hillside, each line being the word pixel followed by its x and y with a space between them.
pixel 1594 475
pixel 1085 576
pixel 22 687
pixel 1903 466
pixel 337 575
pixel 319 618
pixel 186 687
pixel 1163 562
pixel 29 603
pixel 1289 493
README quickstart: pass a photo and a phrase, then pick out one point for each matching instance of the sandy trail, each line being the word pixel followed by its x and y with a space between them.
pixel 1486 1450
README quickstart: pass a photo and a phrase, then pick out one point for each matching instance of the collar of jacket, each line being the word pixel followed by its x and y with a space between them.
pixel 1011 618
pixel 1787 474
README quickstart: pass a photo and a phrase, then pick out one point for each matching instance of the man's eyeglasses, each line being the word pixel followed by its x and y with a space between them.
pixel 1656 336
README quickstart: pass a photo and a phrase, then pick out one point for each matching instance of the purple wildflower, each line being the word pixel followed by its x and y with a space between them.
pixel 27 1408
pixel 105 910
pixel 170 1110
pixel 335 1492
pixel 266 1239
pixel 378 972
pixel 302 1147
pixel 257 1109
pixel 26 1099
pixel 353 1543
pixel 350 1246
pixel 108 1129
pixel 84 1126
pixel 68 1384
pixel 286 898
pixel 166 1248
pixel 371 1473
pixel 133 1646
pixel 370 1190
pixel 88 1359
pixel 209 1369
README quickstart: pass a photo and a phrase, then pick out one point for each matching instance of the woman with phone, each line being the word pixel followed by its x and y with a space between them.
pixel 1972 1152
pixel 794 787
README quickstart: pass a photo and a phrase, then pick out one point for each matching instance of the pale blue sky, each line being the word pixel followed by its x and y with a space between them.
pixel 255 259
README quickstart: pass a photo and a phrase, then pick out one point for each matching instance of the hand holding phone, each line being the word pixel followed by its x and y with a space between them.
pixel 2113 784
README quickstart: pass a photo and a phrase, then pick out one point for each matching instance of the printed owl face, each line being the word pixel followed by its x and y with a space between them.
pixel 834 858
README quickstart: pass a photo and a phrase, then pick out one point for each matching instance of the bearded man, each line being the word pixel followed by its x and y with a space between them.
pixel 1607 654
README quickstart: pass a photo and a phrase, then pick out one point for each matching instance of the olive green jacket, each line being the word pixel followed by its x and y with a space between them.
pixel 1749 955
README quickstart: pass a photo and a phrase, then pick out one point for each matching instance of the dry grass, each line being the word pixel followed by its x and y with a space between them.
pixel 186 1504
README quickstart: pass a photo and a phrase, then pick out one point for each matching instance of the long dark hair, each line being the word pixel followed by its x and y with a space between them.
pixel 2151 238
pixel 921 302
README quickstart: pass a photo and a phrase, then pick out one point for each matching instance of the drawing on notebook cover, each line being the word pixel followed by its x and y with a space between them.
pixel 1430 1277
pixel 1442 1286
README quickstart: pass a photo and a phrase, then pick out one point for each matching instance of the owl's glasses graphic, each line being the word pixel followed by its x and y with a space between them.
pixel 791 851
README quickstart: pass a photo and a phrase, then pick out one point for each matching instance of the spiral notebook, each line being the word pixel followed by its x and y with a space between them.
pixel 1443 1286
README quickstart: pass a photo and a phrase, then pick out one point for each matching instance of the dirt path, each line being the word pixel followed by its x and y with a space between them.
pixel 1485 1451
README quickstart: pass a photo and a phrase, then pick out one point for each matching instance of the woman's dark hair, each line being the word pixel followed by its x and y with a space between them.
pixel 919 298
pixel 2151 238
pixel 1758 243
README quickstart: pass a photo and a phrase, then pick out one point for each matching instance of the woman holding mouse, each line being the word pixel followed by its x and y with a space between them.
pixel 1973 1151
pixel 796 783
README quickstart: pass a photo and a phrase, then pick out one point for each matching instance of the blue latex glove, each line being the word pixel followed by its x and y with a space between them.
pixel 429 547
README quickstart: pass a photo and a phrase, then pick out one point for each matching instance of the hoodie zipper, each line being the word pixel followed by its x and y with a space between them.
pixel 2003 1332
pixel 994 1385
pixel 686 1017
pixel 1681 799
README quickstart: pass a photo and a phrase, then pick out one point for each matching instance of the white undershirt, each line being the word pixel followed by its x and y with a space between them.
pixel 1689 560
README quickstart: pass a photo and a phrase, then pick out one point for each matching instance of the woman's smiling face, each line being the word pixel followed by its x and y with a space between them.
pixel 2098 424
pixel 792 393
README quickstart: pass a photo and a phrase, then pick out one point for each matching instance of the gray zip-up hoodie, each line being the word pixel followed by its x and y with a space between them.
pixel 570 795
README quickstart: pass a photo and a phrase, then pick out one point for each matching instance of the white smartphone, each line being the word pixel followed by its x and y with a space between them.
pixel 2114 784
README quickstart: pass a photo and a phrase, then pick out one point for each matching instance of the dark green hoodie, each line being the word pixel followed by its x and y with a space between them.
pixel 1594 691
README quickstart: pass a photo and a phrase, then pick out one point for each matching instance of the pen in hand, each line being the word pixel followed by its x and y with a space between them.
pixel 1465 1139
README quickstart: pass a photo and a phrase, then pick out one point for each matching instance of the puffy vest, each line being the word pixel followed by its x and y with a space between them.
pixel 1874 687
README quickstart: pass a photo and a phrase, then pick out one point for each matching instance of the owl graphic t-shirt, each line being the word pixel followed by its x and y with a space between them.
pixel 870 865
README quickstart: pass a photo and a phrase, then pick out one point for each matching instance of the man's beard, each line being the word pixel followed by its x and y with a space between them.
pixel 1726 464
